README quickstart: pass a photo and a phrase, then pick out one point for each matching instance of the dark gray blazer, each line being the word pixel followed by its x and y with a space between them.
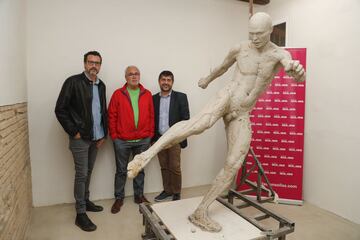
pixel 179 111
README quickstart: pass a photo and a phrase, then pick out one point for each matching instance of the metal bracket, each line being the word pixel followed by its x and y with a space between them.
pixel 256 187
pixel 285 226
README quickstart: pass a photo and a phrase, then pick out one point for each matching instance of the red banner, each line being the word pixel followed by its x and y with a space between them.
pixel 278 133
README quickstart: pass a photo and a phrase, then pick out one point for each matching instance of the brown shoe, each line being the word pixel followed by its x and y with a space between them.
pixel 117 205
pixel 140 199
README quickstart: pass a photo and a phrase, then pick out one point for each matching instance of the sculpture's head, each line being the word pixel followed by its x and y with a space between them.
pixel 260 29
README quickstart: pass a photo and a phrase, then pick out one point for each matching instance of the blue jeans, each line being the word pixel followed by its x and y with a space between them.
pixel 84 153
pixel 123 149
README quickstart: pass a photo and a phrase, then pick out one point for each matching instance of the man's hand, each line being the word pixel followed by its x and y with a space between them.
pixel 203 83
pixel 100 142
pixel 294 69
pixel 77 136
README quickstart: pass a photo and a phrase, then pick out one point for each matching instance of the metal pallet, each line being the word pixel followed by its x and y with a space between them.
pixel 155 228
pixel 285 226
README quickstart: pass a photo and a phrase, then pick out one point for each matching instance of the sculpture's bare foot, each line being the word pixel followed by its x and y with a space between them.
pixel 135 166
pixel 200 219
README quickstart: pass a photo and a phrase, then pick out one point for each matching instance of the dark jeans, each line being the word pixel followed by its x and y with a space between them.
pixel 84 154
pixel 123 149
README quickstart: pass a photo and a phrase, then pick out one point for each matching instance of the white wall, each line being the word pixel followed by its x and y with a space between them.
pixel 12 52
pixel 331 33
pixel 188 37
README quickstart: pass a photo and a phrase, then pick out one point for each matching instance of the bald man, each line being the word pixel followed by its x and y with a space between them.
pixel 256 62
pixel 131 126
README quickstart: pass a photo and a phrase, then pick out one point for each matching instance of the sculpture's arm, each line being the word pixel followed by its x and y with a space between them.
pixel 293 68
pixel 229 60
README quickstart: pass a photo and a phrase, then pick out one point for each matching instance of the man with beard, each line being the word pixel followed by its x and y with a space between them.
pixel 131 126
pixel 170 107
pixel 81 110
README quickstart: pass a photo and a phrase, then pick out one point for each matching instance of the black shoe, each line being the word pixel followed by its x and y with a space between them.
pixel 83 222
pixel 163 196
pixel 176 196
pixel 91 207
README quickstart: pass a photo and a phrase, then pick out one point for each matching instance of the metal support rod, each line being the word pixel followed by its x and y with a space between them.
pixel 251 8
pixel 256 187
pixel 261 170
pixel 279 218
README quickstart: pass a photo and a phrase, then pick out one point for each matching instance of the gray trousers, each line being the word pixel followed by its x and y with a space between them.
pixel 84 154
pixel 123 149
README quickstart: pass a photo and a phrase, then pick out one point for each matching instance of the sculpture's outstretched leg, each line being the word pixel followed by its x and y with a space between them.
pixel 239 137
pixel 205 119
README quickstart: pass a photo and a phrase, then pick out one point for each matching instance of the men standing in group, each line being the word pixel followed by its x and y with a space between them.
pixel 81 110
pixel 131 125
pixel 170 107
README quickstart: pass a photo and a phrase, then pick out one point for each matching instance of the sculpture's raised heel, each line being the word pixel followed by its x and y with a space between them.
pixel 135 166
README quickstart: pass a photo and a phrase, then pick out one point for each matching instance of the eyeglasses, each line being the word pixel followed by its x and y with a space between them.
pixel 94 63
pixel 133 74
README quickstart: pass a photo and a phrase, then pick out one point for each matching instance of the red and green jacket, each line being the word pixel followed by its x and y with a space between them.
pixel 121 115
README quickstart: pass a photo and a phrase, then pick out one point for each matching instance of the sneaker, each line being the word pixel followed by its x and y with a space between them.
pixel 117 206
pixel 176 196
pixel 163 196
pixel 91 207
pixel 83 222
pixel 140 199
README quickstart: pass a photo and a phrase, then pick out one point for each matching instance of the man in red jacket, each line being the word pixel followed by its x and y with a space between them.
pixel 131 125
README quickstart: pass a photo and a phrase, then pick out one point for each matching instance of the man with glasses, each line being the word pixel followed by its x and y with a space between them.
pixel 81 111
pixel 131 126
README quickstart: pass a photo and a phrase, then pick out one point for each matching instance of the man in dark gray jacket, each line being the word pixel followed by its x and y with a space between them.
pixel 170 107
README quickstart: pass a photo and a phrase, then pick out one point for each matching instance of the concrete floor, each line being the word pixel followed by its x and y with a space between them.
pixel 57 222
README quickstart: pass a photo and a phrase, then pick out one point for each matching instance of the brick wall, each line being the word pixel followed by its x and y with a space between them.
pixel 15 172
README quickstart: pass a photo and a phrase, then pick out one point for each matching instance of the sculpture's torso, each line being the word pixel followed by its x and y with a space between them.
pixel 254 71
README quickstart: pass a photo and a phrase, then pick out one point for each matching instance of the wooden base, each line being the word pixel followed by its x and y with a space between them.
pixel 175 215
